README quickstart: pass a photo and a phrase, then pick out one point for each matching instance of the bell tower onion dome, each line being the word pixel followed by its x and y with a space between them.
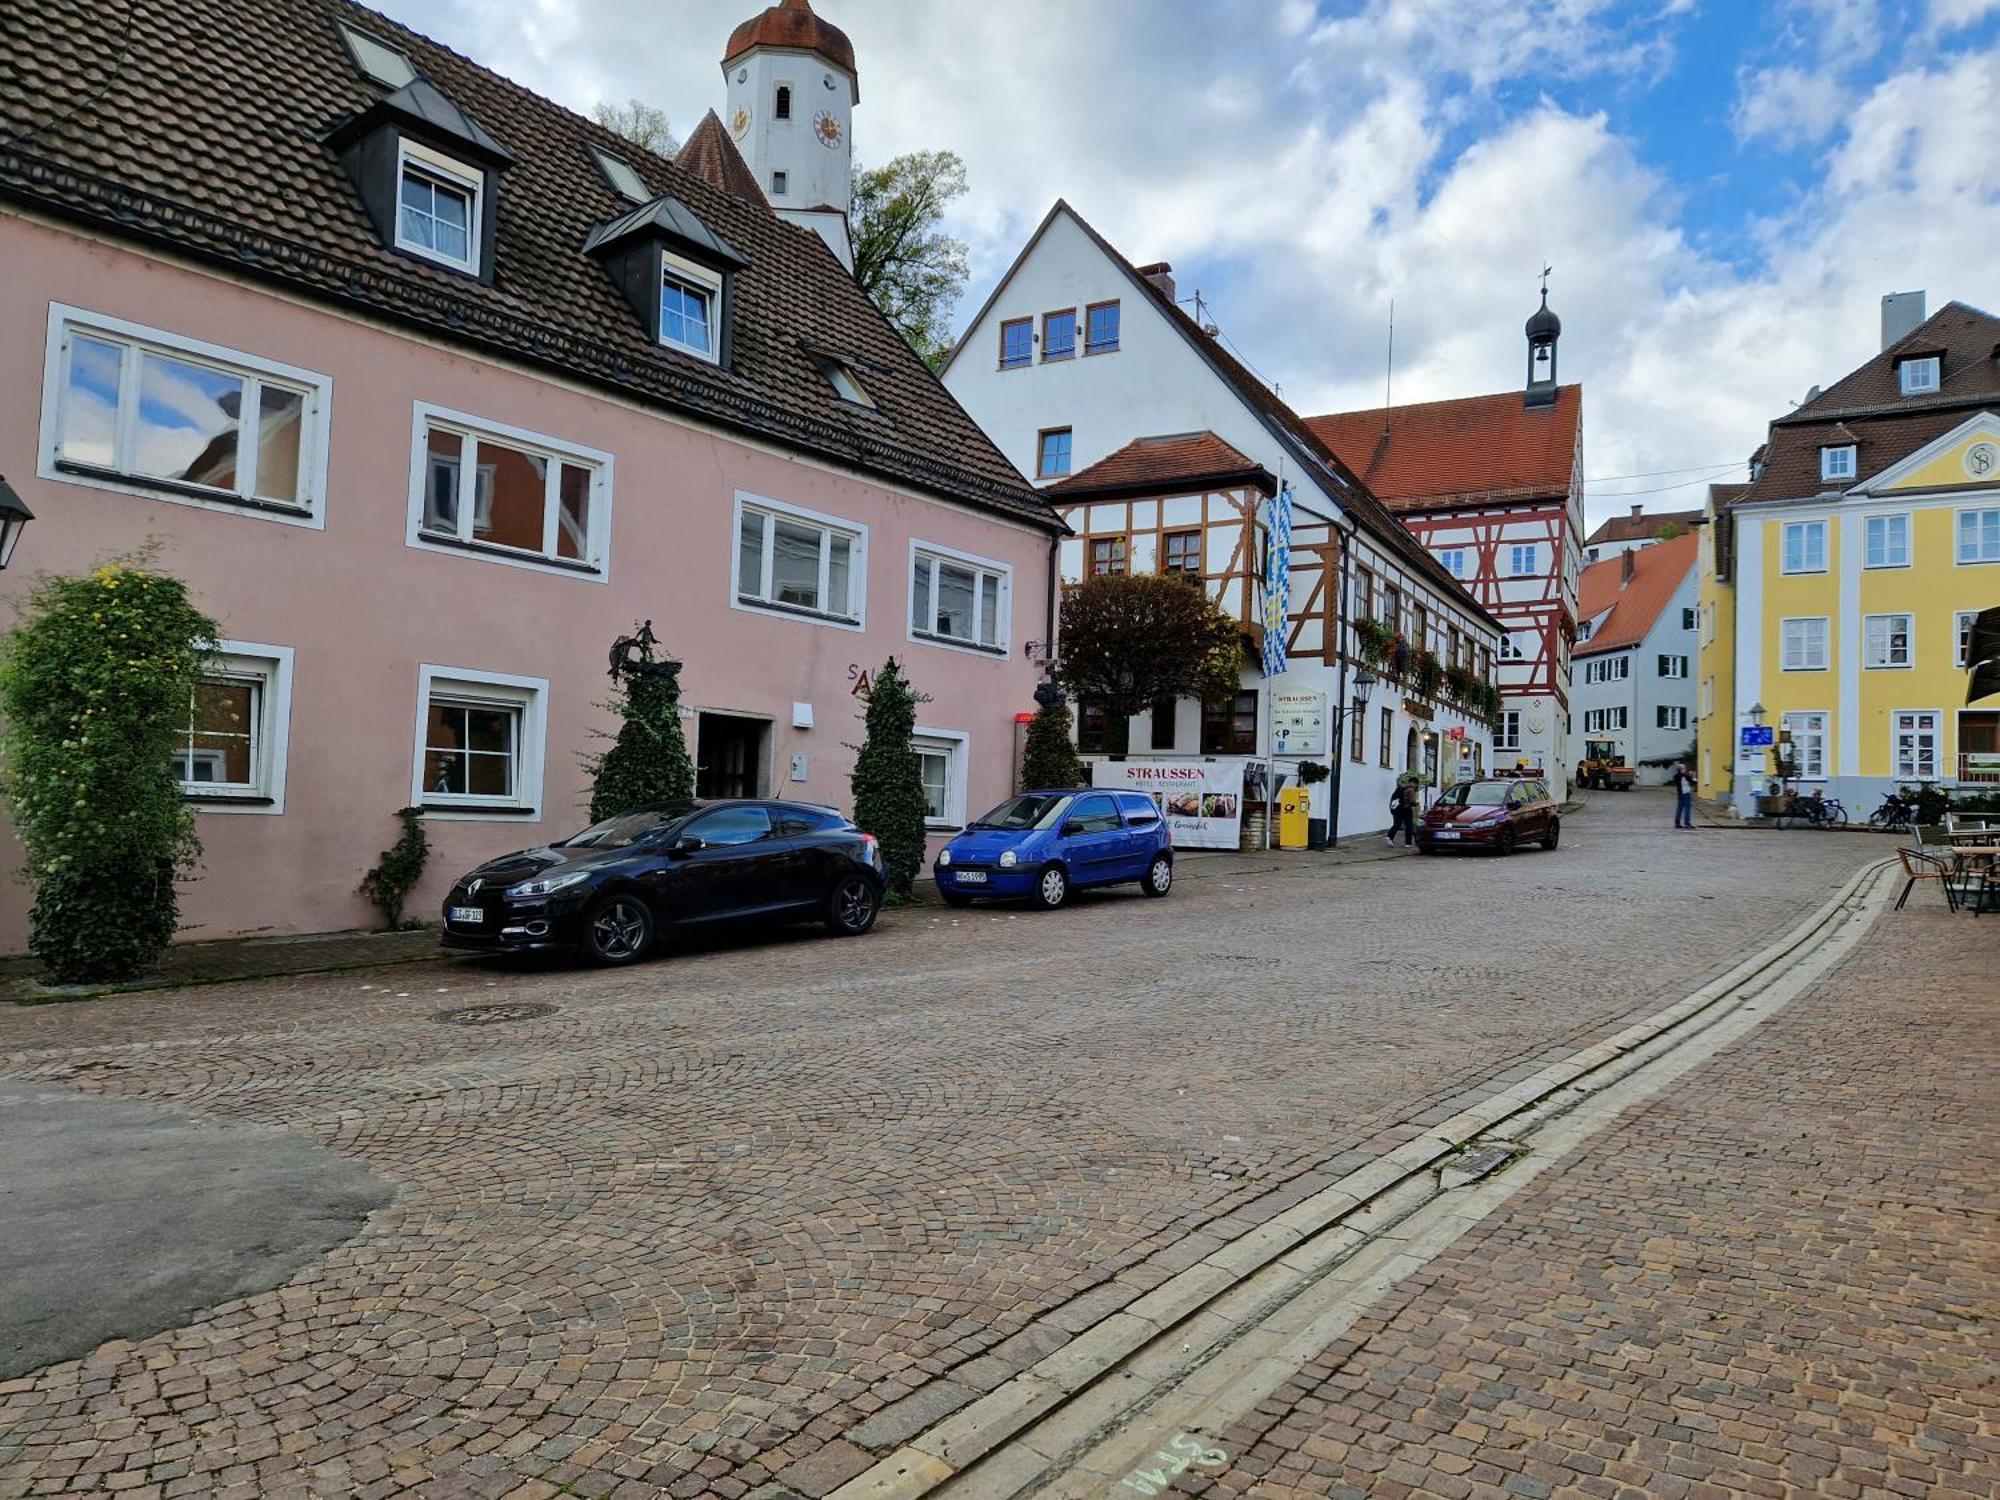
pixel 792 26
pixel 792 89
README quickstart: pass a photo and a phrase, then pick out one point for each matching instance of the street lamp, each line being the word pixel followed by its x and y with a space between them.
pixel 14 517
pixel 1364 684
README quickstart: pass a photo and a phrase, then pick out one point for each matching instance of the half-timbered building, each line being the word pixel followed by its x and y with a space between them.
pixel 1493 487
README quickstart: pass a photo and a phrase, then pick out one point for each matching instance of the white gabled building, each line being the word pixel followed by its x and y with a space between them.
pixel 1636 649
pixel 1078 355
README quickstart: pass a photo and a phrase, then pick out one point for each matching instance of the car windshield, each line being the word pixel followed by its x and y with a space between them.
pixel 1017 813
pixel 1474 794
pixel 620 832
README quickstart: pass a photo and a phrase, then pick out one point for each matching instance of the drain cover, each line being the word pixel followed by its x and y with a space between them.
pixel 1475 1162
pixel 492 1015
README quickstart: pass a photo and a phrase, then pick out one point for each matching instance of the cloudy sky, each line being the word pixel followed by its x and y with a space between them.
pixel 1725 188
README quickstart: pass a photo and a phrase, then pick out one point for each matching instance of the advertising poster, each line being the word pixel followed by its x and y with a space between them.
pixel 1298 724
pixel 1202 800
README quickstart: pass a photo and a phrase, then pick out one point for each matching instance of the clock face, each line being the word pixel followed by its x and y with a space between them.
pixel 826 125
pixel 739 124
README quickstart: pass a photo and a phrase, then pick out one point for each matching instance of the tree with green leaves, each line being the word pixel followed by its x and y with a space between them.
pixel 1129 640
pixel 1050 761
pixel 888 781
pixel 903 258
pixel 640 123
pixel 647 765
pixel 99 684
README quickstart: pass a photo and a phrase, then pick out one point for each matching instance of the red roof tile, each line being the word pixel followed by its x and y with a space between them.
pixel 1174 464
pixel 1635 603
pixel 1493 448
pixel 792 25
pixel 1641 525
pixel 712 156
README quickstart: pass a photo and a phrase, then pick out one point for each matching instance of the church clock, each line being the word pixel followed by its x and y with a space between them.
pixel 739 124
pixel 826 125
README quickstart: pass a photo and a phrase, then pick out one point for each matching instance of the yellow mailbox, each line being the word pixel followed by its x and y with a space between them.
pixel 1294 815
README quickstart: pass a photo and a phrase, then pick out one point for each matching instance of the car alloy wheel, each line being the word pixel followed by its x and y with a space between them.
pixel 1052 888
pixel 1506 843
pixel 1553 836
pixel 619 929
pixel 1159 876
pixel 852 906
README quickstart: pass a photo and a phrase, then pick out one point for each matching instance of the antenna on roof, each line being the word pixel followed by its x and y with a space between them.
pixel 1389 370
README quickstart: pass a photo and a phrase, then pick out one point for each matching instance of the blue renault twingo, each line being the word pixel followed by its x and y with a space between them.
pixel 1043 845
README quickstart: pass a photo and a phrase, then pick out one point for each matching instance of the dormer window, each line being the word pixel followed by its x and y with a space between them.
pixel 1918 377
pixel 688 297
pixel 1836 461
pixel 438 208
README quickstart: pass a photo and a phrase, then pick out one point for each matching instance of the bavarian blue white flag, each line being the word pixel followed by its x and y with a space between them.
pixel 1278 583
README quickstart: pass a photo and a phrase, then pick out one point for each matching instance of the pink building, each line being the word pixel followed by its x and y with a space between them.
pixel 431 389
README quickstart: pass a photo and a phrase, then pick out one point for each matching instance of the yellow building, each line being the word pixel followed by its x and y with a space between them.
pixel 1839 583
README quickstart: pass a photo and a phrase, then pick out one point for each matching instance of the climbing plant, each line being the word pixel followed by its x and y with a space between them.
pixel 401 866
pixel 97 685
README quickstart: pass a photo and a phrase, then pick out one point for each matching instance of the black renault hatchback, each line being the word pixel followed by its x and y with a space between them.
pixel 609 891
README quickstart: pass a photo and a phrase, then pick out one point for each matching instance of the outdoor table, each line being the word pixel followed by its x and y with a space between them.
pixel 1985 854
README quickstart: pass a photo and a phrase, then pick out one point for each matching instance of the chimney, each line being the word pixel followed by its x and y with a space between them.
pixel 1161 275
pixel 1902 315
pixel 1637 511
pixel 1626 565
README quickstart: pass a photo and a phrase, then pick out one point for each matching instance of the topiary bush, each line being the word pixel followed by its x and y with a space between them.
pixel 389 884
pixel 1050 761
pixel 888 782
pixel 648 764
pixel 97 683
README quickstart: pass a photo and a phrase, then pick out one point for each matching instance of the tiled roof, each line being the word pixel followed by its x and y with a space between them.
pixel 1865 407
pixel 199 127
pixel 791 24
pixel 1634 604
pixel 1173 464
pixel 1494 449
pixel 1641 526
pixel 712 156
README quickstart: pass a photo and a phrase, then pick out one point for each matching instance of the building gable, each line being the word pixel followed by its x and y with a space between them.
pixel 1968 456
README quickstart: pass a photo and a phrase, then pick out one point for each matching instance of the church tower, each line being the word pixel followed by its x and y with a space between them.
pixel 1543 329
pixel 792 88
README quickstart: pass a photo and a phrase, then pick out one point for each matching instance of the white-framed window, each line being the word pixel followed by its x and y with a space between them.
pixel 1918 377
pixel 1803 644
pixel 480 743
pixel 1602 720
pixel 792 561
pixel 1689 615
pixel 507 494
pixel 1673 666
pixel 1507 730
pixel 1836 461
pixel 1585 630
pixel 232 757
pixel 690 302
pixel 1885 640
pixel 1455 560
pixel 1607 669
pixel 437 207
pixel 1888 542
pixel 136 409
pixel 1914 744
pixel 1808 732
pixel 1671 716
pixel 1979 536
pixel 1805 547
pixel 941 758
pixel 1510 649
pixel 1524 559
pixel 957 599
pixel 1961 635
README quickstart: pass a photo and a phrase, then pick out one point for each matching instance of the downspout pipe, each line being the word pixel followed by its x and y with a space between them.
pixel 1342 731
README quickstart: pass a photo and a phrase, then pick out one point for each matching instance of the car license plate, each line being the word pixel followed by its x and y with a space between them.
pixel 972 877
pixel 471 914
pixel 1443 835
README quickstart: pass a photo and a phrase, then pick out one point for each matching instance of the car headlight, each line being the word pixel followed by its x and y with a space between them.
pixel 1009 859
pixel 944 858
pixel 546 885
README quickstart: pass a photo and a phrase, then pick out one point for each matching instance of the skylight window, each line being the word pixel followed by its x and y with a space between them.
pixel 378 60
pixel 846 384
pixel 624 179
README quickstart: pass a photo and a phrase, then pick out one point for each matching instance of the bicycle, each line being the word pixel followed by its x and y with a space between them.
pixel 1814 810
pixel 1894 815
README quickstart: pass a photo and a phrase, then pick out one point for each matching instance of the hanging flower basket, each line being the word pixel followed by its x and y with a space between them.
pixel 1426 674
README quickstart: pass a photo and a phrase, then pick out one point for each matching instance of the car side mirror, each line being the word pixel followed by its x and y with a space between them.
pixel 687 843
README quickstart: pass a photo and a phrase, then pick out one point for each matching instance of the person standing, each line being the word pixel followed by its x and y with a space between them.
pixel 1402 812
pixel 1683 795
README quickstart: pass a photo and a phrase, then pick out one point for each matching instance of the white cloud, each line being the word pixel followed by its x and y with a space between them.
pixel 1787 105
pixel 1954 15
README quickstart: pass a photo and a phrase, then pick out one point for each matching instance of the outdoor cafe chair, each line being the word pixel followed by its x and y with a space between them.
pixel 1921 866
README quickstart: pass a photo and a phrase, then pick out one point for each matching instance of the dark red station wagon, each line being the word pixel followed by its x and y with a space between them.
pixel 1499 815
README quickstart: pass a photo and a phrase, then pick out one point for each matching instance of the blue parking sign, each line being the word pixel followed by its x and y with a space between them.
pixel 1758 735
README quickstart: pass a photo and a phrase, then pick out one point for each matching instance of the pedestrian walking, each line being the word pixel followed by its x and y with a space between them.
pixel 1683 795
pixel 1402 812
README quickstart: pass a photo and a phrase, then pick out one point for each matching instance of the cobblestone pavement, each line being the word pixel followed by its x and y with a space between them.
pixel 722 1219
pixel 1778 1278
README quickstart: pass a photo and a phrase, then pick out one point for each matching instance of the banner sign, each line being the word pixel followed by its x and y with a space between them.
pixel 1298 724
pixel 1202 800
pixel 1757 735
